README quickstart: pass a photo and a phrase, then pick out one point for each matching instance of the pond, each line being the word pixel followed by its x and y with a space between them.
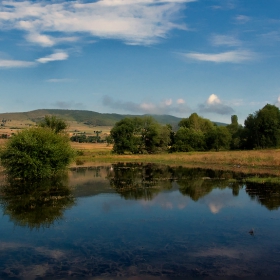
pixel 136 221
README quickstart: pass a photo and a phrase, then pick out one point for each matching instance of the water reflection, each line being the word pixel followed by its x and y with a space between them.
pixel 39 204
pixel 139 181
pixel 36 204
pixel 141 221
pixel 267 195
pixel 146 181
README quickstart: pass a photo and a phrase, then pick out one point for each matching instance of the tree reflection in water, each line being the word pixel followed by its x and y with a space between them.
pixel 267 195
pixel 36 204
pixel 145 181
pixel 196 183
pixel 140 181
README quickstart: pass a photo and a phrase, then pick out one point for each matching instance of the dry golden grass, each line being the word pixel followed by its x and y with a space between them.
pixel 74 127
pixel 260 161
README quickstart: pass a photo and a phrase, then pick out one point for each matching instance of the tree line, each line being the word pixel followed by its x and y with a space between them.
pixel 136 135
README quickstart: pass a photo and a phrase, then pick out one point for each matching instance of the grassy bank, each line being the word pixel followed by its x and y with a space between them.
pixel 261 161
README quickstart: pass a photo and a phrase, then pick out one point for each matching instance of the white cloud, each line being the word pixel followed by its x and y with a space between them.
pixel 271 37
pixel 214 105
pixel 241 19
pixel 225 40
pixel 237 56
pixel 168 102
pixel 164 107
pixel 213 99
pixel 6 63
pixel 149 107
pixel 134 21
pixel 60 80
pixel 180 101
pixel 43 40
pixel 53 57
pixel 48 41
pixel 278 102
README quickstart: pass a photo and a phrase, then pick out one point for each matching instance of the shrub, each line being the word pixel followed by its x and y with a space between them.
pixel 36 153
pixel 55 124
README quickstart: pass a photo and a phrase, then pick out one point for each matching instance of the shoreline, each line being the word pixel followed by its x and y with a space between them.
pixel 255 161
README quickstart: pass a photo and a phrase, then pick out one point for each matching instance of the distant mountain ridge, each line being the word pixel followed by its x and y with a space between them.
pixel 87 117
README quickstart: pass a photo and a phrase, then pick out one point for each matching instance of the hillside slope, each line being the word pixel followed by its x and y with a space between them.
pixel 86 117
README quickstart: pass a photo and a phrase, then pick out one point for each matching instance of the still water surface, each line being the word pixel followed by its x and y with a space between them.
pixel 140 222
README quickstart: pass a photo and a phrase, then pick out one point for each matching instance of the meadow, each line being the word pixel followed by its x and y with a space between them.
pixel 255 161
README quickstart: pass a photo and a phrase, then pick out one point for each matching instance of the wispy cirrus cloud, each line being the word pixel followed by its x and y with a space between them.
pixel 135 22
pixel 271 37
pixel 236 56
pixel 224 5
pixel 49 41
pixel 242 19
pixel 165 107
pixel 10 63
pixel 225 40
pixel 215 105
pixel 277 103
pixel 63 80
pixel 53 57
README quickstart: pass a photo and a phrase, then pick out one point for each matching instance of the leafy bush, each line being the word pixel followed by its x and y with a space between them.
pixel 36 153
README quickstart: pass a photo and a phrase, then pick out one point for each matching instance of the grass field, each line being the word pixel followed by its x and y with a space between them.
pixel 259 161
pixel 74 127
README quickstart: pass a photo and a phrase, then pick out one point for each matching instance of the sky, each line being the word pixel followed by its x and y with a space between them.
pixel 214 57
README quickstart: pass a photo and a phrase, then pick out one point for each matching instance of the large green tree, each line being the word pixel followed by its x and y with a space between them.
pixel 197 123
pixel 191 134
pixel 189 139
pixel 140 135
pixel 235 130
pixel 219 138
pixel 126 135
pixel 262 129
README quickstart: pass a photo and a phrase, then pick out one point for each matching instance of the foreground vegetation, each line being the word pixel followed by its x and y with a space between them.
pixel 146 136
pixel 38 152
pixel 258 161
pixel 34 151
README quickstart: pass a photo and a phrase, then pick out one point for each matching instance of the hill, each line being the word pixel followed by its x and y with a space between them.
pixel 83 116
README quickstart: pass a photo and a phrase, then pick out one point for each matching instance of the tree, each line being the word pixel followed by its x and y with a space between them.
pixel 262 129
pixel 54 123
pixel 235 130
pixel 36 153
pixel 191 134
pixel 197 123
pixel 218 138
pixel 268 122
pixel 140 135
pixel 155 138
pixel 188 139
pixel 126 135
pixel 250 134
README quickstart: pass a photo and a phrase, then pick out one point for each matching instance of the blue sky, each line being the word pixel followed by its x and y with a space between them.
pixel 213 57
